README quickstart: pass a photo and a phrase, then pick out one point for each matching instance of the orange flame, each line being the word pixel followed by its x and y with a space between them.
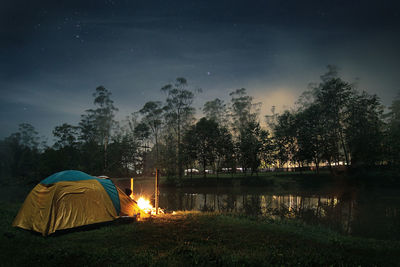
pixel 144 204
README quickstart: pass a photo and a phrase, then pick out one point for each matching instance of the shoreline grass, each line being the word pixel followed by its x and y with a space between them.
pixel 192 238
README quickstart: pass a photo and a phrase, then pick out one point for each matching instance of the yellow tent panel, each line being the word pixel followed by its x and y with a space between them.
pixel 65 205
pixel 70 199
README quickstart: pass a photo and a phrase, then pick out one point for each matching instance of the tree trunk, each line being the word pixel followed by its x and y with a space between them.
pixel 330 166
pixel 317 166
pixel 105 154
pixel 179 150
pixel 344 148
pixel 156 139
pixel 204 167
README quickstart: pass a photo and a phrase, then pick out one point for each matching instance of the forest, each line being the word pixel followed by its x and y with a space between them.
pixel 332 125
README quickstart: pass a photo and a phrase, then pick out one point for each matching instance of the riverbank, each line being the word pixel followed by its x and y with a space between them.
pixel 192 239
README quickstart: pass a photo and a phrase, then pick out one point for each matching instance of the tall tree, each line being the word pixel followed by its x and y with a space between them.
pixel 20 154
pixel 268 149
pixel 65 153
pixel 28 136
pixel 249 146
pixel 142 133
pixel 364 129
pixel 66 135
pixel 242 109
pixel 204 136
pixel 224 149
pixel 153 118
pixel 285 138
pixel 333 96
pixel 104 117
pixel 245 126
pixel 129 145
pixel 87 127
pixel 309 135
pixel 179 113
pixel 216 110
pixel 392 140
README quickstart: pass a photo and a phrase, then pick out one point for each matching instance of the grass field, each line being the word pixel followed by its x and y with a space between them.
pixel 186 239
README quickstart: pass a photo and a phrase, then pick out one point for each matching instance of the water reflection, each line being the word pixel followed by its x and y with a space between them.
pixel 362 212
pixel 342 213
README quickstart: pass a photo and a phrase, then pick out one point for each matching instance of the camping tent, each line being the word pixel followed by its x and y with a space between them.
pixel 69 199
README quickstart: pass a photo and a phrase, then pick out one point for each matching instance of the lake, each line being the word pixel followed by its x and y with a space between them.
pixel 354 210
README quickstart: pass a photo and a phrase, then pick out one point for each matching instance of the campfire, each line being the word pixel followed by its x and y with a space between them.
pixel 144 204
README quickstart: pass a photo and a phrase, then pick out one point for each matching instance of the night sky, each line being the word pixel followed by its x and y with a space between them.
pixel 53 54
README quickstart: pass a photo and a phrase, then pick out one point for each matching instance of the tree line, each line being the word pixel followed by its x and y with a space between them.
pixel 333 123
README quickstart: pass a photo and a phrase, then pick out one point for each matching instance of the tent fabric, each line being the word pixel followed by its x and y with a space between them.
pixel 129 207
pixel 62 201
pixel 72 175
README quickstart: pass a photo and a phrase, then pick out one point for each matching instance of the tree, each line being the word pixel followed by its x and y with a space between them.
pixel 104 117
pixel 285 138
pixel 20 154
pixel 92 158
pixel 65 153
pixel 178 113
pixel 392 143
pixel 204 136
pixel 250 146
pixel 66 135
pixel 309 135
pixel 224 149
pixel 87 127
pixel 333 97
pixel 128 146
pixel 216 110
pixel 268 149
pixel 364 129
pixel 28 136
pixel 189 148
pixel 142 133
pixel 242 109
pixel 153 118
pixel 245 126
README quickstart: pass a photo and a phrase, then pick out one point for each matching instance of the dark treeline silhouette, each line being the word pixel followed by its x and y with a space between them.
pixel 333 124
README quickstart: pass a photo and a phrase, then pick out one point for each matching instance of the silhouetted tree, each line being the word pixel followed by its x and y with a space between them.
pixel 216 110
pixel 309 135
pixel 178 113
pixel 153 117
pixel 104 117
pixel 66 135
pixel 20 154
pixel 364 129
pixel 249 146
pixel 203 136
pixel 392 140
pixel 245 127
pixel 285 138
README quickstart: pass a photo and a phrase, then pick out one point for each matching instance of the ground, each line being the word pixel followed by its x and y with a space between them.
pixel 185 239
